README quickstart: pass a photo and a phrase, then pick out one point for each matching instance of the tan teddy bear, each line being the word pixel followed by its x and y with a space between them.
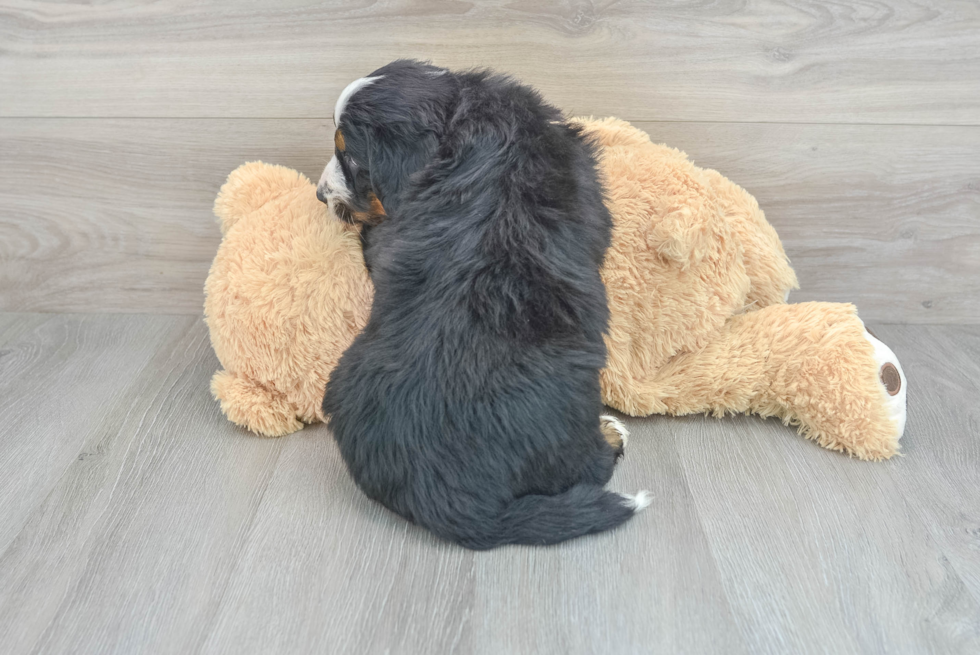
pixel 696 281
pixel 286 295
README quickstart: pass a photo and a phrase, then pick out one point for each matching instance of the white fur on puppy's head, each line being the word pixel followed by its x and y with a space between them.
pixel 348 93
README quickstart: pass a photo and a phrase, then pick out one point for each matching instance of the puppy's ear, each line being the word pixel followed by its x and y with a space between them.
pixel 404 115
pixel 394 161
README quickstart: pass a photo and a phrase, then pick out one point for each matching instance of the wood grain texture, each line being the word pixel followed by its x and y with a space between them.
pixel 844 561
pixel 880 61
pixel 115 215
pixel 57 379
pixel 69 382
pixel 129 549
pixel 942 488
pixel 164 528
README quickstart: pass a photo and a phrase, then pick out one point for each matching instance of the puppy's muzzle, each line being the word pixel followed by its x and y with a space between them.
pixel 342 211
pixel 332 190
pixel 338 207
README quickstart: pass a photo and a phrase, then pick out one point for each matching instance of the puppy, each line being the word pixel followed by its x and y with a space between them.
pixel 470 402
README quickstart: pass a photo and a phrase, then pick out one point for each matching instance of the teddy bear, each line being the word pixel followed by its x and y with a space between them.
pixel 696 282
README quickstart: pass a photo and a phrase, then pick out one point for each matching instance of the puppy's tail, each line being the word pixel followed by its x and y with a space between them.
pixel 542 520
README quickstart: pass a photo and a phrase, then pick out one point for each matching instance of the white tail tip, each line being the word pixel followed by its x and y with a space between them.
pixel 639 501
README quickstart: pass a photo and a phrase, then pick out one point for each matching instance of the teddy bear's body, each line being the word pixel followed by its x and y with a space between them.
pixel 696 281
pixel 690 249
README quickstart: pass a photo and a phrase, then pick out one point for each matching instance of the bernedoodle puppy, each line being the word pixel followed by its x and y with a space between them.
pixel 470 402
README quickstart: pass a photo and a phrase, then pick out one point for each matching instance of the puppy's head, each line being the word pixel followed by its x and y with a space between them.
pixel 388 126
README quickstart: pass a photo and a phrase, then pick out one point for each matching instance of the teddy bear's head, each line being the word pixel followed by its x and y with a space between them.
pixel 286 295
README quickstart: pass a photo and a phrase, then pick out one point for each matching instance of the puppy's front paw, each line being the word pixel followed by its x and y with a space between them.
pixel 614 432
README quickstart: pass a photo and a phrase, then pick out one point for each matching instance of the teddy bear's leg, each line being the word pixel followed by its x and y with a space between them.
pixel 812 365
pixel 254 406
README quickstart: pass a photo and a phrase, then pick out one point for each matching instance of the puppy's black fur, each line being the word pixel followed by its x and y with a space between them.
pixel 470 402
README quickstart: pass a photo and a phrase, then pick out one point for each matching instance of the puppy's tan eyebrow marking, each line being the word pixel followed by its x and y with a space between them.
pixel 376 207
pixel 338 140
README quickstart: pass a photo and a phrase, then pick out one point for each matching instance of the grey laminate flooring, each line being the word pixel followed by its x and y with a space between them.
pixel 134 518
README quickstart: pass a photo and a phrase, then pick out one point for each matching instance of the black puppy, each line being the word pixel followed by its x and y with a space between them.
pixel 470 402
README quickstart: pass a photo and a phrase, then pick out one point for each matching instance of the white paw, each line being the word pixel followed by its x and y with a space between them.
pixel 639 501
pixel 893 382
pixel 617 426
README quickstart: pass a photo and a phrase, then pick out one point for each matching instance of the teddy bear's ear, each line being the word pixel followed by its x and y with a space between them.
pixel 252 185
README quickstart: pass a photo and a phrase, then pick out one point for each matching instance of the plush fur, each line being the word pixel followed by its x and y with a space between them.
pixel 470 402
pixel 695 282
pixel 285 296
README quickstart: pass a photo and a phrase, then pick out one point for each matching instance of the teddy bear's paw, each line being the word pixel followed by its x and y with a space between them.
pixel 892 379
pixel 254 406
pixel 614 432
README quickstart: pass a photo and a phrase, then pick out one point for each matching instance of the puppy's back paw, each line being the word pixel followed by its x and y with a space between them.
pixel 614 432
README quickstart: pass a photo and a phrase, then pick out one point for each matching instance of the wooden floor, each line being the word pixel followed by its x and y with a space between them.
pixel 135 519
